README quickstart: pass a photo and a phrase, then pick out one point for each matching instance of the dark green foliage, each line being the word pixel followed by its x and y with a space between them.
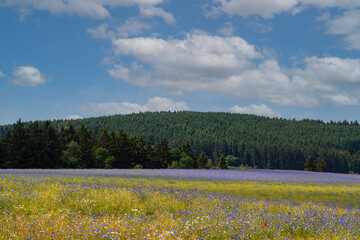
pixel 50 152
pixel 71 157
pixel 102 158
pixel 222 162
pixel 161 155
pixel 203 161
pixel 232 161
pixel 185 162
pixel 16 147
pixel 310 164
pixel 256 141
pixel 86 140
pixel 321 164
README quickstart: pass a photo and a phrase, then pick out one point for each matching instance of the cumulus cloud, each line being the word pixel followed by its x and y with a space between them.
pixel 348 25
pixel 151 11
pixel 153 105
pixel 229 65
pixel 85 8
pixel 199 58
pixel 2 74
pixel 28 76
pixel 260 110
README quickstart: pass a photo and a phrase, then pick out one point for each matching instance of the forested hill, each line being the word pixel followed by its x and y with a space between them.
pixel 252 140
pixel 226 129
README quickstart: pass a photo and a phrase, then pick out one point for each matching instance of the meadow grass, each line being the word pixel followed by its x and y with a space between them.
pixel 97 207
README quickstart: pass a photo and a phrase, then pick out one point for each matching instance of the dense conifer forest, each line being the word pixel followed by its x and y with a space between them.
pixel 182 140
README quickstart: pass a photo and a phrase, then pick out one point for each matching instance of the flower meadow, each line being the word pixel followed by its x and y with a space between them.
pixel 178 204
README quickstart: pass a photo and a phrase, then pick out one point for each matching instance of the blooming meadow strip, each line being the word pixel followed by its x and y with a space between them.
pixel 41 204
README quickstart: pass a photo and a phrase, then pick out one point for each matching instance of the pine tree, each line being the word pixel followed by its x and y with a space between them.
pixel 202 161
pixel 51 146
pixel 16 146
pixel 86 140
pixel 161 155
pixel 222 162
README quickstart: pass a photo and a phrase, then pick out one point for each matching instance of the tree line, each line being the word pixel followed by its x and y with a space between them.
pixel 41 145
pixel 243 140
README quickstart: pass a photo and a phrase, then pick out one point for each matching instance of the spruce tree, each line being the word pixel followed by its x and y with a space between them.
pixel 202 161
pixel 222 162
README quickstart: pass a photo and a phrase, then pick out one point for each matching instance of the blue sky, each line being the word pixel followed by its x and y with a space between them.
pixel 84 58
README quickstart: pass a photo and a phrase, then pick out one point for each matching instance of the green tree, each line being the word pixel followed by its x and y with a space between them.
pixel 185 162
pixel 71 157
pixel 86 140
pixel 103 139
pixel 232 161
pixel 51 146
pixel 16 146
pixel 321 164
pixel 310 164
pixel 203 160
pixel 35 147
pixel 102 158
pixel 161 156
pixel 2 154
pixel 222 162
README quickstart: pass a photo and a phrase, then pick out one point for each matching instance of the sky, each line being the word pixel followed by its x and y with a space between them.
pixel 69 59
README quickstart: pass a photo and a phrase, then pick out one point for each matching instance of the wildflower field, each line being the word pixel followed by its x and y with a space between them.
pixel 178 204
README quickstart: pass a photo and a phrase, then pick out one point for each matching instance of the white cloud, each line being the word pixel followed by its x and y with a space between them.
pixel 2 74
pixel 227 30
pixel 229 65
pixel 259 27
pixel 260 110
pixel 183 65
pixel 333 79
pixel 100 31
pixel 347 25
pixel 74 117
pixel 263 8
pixel 28 76
pixel 341 100
pixel 151 11
pixel 132 26
pixel 267 9
pixel 152 105
pixel 346 4
pixel 85 8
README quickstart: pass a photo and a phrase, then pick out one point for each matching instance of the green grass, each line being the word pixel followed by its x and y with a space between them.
pixel 153 208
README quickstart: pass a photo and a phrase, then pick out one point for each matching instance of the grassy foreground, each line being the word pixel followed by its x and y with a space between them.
pixel 89 207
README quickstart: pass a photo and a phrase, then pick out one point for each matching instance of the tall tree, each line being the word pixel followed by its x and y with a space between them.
pixel 310 164
pixel 51 151
pixel 71 157
pixel 16 144
pixel 86 140
pixel 202 161
pixel 222 162
pixel 161 155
